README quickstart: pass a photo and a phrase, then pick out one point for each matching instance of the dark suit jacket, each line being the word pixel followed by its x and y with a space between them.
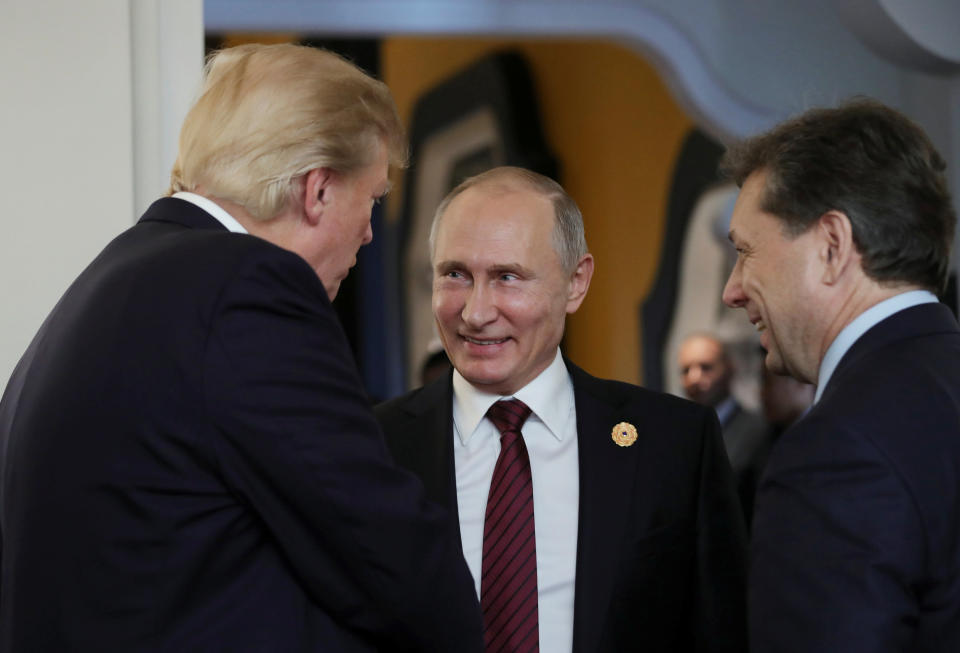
pixel 661 550
pixel 856 543
pixel 746 441
pixel 191 465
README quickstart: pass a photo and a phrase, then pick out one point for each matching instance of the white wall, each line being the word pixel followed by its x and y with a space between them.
pixel 68 161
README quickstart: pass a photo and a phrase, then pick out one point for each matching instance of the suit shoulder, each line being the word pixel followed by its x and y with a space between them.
pixel 415 402
pixel 391 407
pixel 643 398
pixel 679 425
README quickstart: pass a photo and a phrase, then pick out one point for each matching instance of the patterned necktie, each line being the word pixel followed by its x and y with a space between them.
pixel 508 580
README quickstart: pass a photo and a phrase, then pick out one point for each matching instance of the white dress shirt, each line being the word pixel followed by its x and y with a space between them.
pixel 550 434
pixel 860 325
pixel 213 209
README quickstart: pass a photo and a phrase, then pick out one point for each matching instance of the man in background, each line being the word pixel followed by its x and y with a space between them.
pixel 785 400
pixel 594 515
pixel 843 229
pixel 706 371
pixel 189 462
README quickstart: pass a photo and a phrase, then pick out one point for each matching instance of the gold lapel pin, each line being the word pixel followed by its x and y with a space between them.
pixel 624 434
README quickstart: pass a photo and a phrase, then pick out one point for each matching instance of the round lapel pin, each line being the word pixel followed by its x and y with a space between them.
pixel 624 434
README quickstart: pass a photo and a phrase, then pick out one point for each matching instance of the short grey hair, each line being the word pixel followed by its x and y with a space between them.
pixel 569 240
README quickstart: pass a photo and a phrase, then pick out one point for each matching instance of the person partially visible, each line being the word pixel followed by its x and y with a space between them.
pixel 435 364
pixel 189 462
pixel 843 229
pixel 706 372
pixel 785 400
pixel 596 516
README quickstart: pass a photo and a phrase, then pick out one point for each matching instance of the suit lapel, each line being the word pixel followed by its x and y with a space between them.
pixel 916 321
pixel 607 473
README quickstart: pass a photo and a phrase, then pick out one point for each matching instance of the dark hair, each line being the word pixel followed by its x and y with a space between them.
pixel 869 162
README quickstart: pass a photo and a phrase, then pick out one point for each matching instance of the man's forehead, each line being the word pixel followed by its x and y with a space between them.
pixel 480 207
pixel 501 186
pixel 701 347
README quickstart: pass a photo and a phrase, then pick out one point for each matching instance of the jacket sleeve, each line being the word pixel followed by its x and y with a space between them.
pixel 835 552
pixel 720 611
pixel 296 440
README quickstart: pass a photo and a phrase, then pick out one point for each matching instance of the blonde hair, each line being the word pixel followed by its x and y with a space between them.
pixel 268 114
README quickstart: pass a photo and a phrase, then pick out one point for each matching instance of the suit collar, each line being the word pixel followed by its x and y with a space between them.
pixel 862 323
pixel 549 396
pixel 178 211
pixel 914 322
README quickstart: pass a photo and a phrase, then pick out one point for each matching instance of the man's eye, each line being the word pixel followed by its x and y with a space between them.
pixel 507 276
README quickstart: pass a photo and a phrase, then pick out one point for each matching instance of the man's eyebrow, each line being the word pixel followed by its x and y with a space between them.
pixel 731 235
pixel 511 267
pixel 447 265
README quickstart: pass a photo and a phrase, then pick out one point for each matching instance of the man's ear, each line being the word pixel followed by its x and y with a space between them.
pixel 580 283
pixel 836 249
pixel 315 193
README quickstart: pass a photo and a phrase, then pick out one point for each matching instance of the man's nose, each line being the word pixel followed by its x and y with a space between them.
pixel 733 292
pixel 480 307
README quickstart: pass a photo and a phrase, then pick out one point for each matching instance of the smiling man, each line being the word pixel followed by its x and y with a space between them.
pixel 843 230
pixel 596 516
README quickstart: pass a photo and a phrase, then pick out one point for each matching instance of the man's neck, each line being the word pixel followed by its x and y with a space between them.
pixel 860 325
pixel 857 299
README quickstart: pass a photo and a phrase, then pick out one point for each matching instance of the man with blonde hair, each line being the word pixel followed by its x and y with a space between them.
pixel 188 458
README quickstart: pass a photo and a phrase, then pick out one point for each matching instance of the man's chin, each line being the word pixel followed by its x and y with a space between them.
pixel 485 380
pixel 774 364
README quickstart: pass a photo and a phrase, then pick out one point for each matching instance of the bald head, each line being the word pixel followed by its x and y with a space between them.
pixel 705 369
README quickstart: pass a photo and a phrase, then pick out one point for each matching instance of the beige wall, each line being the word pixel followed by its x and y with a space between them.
pixel 616 131
pixel 93 94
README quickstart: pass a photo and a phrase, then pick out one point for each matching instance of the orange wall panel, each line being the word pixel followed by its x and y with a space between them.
pixel 616 131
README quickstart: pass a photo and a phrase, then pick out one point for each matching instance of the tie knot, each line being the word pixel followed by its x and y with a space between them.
pixel 508 415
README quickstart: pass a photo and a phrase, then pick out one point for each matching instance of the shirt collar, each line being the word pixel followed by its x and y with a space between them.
pixel 725 410
pixel 860 325
pixel 214 209
pixel 549 396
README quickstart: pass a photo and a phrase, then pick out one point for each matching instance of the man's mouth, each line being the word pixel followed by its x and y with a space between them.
pixel 484 341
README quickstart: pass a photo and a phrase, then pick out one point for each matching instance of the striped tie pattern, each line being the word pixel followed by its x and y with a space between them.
pixel 508 580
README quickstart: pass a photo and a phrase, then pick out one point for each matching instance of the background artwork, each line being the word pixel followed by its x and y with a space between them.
pixel 696 261
pixel 485 116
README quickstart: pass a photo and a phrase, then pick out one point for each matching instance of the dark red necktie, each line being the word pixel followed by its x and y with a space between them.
pixel 508 580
